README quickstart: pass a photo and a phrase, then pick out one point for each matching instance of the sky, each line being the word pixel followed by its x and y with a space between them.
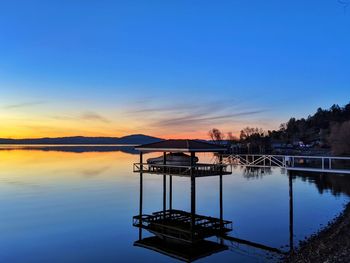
pixel 172 69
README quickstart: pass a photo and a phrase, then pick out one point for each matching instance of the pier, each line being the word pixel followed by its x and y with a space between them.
pixel 177 233
pixel 184 234
pixel 320 164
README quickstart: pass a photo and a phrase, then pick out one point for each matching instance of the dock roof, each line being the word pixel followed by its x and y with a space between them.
pixel 180 146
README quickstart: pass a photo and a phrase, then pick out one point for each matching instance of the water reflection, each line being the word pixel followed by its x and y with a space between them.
pixel 60 206
pixel 72 148
pixel 184 235
pixel 173 232
pixel 256 173
pixel 335 183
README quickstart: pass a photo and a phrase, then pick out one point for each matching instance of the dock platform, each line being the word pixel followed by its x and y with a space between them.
pixel 318 164
pixel 198 170
pixel 182 226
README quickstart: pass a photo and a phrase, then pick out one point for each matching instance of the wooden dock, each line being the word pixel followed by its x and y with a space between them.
pixel 182 226
pixel 320 164
pixel 197 170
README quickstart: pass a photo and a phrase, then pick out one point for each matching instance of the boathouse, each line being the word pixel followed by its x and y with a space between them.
pixel 185 227
pixel 182 146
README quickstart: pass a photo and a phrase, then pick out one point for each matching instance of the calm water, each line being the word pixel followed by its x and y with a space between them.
pixel 58 206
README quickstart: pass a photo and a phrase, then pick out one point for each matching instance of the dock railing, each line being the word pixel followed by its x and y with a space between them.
pixel 328 164
pixel 199 169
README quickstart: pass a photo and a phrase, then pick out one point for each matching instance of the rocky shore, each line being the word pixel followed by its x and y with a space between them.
pixel 331 244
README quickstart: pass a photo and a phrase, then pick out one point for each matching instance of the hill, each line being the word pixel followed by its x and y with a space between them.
pixel 130 139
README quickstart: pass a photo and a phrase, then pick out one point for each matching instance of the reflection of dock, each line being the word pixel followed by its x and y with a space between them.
pixel 252 244
pixel 181 251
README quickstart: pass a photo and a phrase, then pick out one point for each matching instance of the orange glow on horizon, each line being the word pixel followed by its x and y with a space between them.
pixel 20 127
pixel 35 134
pixel 43 121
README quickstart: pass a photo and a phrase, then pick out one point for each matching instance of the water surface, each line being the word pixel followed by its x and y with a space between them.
pixel 76 206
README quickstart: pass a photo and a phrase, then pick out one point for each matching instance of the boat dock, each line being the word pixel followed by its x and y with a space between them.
pixel 183 234
pixel 176 224
pixel 320 164
pixel 177 233
pixel 198 170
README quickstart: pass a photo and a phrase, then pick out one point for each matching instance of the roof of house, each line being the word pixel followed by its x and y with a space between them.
pixel 180 146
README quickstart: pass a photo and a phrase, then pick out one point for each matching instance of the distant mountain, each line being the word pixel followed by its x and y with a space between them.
pixel 73 148
pixel 130 139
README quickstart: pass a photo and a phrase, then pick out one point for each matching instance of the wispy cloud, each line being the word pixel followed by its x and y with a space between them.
pixel 195 119
pixel 93 116
pixel 192 116
pixel 86 116
pixel 23 104
pixel 147 106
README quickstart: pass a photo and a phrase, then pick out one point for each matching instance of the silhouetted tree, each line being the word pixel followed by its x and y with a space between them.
pixel 315 128
pixel 325 126
pixel 255 139
pixel 339 138
pixel 232 138
pixel 248 132
pixel 216 135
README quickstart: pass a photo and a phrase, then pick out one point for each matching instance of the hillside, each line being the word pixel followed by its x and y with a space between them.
pixel 130 139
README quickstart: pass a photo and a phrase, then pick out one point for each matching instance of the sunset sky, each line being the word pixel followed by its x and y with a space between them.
pixel 172 69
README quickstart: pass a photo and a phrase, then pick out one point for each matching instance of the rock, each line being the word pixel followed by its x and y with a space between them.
pixel 330 245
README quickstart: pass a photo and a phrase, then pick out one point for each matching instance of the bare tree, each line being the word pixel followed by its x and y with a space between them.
pixel 216 135
pixel 231 137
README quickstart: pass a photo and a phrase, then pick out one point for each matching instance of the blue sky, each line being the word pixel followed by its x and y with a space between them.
pixel 168 68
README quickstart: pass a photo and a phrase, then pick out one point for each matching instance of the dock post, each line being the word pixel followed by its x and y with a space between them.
pixel 170 192
pixel 193 193
pixel 264 161
pixel 291 223
pixel 141 198
pixel 322 163
pixel 164 185
pixel 221 201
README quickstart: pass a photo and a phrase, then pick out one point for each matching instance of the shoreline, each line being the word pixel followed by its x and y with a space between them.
pixel 330 244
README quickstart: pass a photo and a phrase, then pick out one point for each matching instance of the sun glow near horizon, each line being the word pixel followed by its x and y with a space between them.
pixel 190 120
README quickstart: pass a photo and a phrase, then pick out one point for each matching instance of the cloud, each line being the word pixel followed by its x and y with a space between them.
pixel 190 115
pixel 147 106
pixel 87 116
pixel 93 116
pixel 23 105
pixel 200 119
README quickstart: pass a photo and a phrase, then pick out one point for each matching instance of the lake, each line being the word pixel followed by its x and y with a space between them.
pixel 76 204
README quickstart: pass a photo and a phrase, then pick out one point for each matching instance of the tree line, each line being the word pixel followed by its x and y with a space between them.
pixel 327 129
